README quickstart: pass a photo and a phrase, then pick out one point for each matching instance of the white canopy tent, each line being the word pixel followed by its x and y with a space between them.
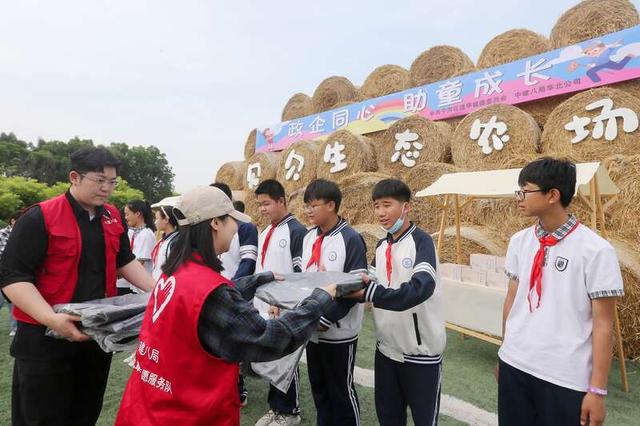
pixel 594 187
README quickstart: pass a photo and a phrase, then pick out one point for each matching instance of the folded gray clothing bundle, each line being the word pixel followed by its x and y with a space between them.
pixel 114 322
pixel 295 287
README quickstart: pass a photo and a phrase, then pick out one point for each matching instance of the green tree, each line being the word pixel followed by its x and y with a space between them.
pixel 147 169
pixel 123 193
pixel 13 155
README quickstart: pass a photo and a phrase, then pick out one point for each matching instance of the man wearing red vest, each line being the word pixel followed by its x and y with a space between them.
pixel 66 249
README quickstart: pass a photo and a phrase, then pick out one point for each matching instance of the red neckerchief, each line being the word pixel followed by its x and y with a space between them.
pixel 387 256
pixel 265 245
pixel 316 252
pixel 535 280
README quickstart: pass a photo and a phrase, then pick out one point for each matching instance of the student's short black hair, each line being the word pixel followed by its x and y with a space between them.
pixel 224 188
pixel 549 173
pixel 272 188
pixel 322 189
pixel 93 159
pixel 239 205
pixel 392 188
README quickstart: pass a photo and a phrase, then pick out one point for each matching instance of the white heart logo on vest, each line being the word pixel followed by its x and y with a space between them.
pixel 162 294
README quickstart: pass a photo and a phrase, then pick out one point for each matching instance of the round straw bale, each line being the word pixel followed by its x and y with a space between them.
pixel 624 213
pixel 252 208
pixel 384 80
pixel 521 138
pixel 232 173
pixel 426 211
pixel 250 145
pixel 291 177
pixel 238 195
pixel 296 206
pixel 429 141
pixel 357 207
pixel 299 105
pixel 557 140
pixel 593 18
pixel 472 240
pixel 371 234
pixel 357 152
pixel 452 122
pixel 541 109
pixel 264 165
pixel 438 63
pixel 629 304
pixel 512 45
pixel 331 92
pixel 630 86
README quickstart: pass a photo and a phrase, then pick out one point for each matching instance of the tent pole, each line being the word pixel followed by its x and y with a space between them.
pixel 594 215
pixel 600 210
pixel 443 222
pixel 458 244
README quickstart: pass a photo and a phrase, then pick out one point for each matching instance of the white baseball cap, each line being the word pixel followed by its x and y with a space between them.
pixel 205 203
pixel 169 201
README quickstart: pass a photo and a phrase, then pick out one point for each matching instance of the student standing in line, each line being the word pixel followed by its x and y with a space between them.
pixel 167 224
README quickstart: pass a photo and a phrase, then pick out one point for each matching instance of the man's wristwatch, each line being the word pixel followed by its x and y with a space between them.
pixel 598 391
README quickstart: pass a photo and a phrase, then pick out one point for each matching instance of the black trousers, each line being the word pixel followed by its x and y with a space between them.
pixel 402 384
pixel 286 403
pixel 331 377
pixel 64 386
pixel 525 400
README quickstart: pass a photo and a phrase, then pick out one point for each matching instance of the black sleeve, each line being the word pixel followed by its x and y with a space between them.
pixel 356 259
pixel 125 255
pixel 297 232
pixel 26 249
pixel 229 327
pixel 248 285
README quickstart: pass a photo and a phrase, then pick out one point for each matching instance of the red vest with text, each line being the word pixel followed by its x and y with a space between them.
pixel 175 381
pixel 57 278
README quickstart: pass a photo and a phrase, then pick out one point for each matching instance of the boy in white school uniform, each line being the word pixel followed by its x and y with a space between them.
pixel 559 310
pixel 332 245
pixel 279 251
pixel 407 309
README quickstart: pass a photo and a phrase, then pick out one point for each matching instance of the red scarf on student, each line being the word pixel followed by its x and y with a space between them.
pixel 389 265
pixel 535 280
pixel 316 252
pixel 265 245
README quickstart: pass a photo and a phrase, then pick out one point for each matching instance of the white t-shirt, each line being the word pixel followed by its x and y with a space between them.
pixel 554 342
pixel 161 255
pixel 142 241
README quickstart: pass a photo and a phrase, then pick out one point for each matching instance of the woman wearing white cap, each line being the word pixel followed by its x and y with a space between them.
pixel 198 325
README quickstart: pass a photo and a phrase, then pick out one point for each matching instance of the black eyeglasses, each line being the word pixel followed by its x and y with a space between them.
pixel 522 193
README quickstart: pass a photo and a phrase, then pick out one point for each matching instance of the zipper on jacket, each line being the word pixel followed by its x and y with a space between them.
pixel 417 330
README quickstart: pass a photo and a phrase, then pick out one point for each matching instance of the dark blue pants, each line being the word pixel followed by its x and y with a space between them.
pixel 592 73
pixel 285 403
pixel 331 377
pixel 398 385
pixel 525 400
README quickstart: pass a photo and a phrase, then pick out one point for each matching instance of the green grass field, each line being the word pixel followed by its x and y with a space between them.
pixel 468 375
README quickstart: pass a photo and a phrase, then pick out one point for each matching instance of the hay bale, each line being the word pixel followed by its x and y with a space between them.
pixel 630 86
pixel 358 151
pixel 371 235
pixel 299 105
pixel 425 211
pixel 232 173
pixel 593 18
pixel 296 206
pixel 268 167
pixel 541 109
pixel 357 207
pixel 472 240
pixel 624 213
pixel 384 80
pixel 252 208
pixel 331 92
pixel 434 139
pixel 439 63
pixel 250 145
pixel 512 45
pixel 292 178
pixel 522 142
pixel 556 139
pixel 629 305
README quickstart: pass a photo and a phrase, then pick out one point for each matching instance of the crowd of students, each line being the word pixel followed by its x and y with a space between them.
pixel 202 320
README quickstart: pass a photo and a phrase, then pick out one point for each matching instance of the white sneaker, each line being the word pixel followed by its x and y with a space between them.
pixel 130 360
pixel 286 420
pixel 12 333
pixel 266 419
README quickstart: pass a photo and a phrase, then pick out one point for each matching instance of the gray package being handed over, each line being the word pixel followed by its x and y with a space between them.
pixel 286 294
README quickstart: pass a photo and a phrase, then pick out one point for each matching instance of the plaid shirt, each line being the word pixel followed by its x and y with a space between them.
pixel 558 234
pixel 230 327
pixel 4 237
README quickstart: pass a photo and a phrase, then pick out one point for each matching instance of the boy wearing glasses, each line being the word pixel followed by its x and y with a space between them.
pixel 332 245
pixel 559 310
pixel 66 249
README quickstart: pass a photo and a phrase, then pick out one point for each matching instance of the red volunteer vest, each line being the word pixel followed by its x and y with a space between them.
pixel 57 278
pixel 175 381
